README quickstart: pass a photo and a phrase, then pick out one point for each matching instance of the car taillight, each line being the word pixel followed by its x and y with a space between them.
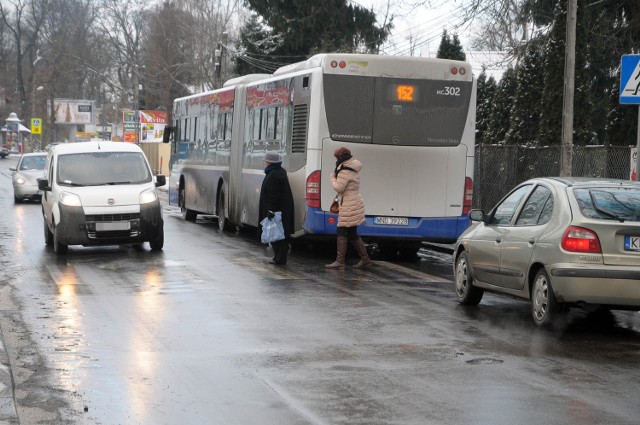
pixel 312 197
pixel 468 195
pixel 579 239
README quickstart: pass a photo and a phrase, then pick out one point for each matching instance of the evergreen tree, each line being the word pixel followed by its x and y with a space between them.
pixel 257 46
pixel 450 48
pixel 500 116
pixel 486 89
pixel 550 130
pixel 525 113
pixel 300 28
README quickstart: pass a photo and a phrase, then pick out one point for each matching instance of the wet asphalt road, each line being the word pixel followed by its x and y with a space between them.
pixel 206 332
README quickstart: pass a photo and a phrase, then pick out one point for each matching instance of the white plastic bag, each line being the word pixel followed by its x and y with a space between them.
pixel 272 230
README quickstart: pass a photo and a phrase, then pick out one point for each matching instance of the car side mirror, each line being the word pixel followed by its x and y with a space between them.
pixel 476 215
pixel 43 184
pixel 166 135
pixel 161 180
pixel 13 169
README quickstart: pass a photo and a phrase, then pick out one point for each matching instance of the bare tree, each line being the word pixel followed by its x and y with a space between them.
pixel 24 20
pixel 121 24
pixel 216 24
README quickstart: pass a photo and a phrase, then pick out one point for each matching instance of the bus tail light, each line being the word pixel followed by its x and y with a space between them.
pixel 579 239
pixel 468 195
pixel 312 197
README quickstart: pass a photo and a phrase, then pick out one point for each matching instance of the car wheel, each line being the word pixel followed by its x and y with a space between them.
pixel 466 292
pixel 544 307
pixel 187 214
pixel 157 243
pixel 48 236
pixel 58 247
pixel 223 223
pixel 17 200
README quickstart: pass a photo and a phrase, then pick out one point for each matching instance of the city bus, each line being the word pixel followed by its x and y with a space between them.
pixel 410 121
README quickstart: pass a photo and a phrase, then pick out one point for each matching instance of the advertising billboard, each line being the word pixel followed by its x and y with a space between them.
pixel 149 125
pixel 73 111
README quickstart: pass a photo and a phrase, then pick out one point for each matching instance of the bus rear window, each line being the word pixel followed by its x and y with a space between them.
pixel 394 111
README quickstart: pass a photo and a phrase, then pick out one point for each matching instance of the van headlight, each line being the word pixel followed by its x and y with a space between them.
pixel 20 181
pixel 148 196
pixel 70 199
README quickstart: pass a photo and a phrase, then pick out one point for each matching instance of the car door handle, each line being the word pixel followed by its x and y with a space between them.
pixel 532 241
pixel 499 239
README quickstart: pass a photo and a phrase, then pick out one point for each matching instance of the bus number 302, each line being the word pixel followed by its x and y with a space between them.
pixel 449 91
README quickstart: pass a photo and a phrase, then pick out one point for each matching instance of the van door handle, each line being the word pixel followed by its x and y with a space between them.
pixel 532 241
pixel 499 239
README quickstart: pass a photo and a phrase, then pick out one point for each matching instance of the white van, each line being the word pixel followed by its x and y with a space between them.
pixel 100 193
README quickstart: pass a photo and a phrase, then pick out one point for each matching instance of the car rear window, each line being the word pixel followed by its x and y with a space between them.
pixel 609 203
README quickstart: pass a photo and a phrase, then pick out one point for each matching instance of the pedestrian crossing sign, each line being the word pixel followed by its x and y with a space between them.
pixel 630 80
pixel 36 125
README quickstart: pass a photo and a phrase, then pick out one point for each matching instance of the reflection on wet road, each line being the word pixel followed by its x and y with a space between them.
pixel 207 332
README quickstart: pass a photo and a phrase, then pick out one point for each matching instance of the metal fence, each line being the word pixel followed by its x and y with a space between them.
pixel 498 168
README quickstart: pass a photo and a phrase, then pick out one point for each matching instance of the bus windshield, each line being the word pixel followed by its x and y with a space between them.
pixel 393 111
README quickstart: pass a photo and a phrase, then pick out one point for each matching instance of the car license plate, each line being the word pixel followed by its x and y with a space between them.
pixel 111 226
pixel 394 221
pixel 632 243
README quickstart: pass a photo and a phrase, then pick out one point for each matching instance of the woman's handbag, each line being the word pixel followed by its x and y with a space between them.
pixel 272 230
pixel 335 206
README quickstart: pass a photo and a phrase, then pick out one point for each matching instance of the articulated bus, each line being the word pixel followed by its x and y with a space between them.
pixel 411 121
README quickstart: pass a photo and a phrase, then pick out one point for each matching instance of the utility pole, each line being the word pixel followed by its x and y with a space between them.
pixel 569 90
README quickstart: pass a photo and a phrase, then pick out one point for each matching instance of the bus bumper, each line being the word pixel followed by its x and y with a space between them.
pixel 433 229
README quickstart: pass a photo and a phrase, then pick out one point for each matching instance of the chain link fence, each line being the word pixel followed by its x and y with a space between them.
pixel 498 168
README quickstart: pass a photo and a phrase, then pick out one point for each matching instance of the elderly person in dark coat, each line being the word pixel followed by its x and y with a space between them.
pixel 275 195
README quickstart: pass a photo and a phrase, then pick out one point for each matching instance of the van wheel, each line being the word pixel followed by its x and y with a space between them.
pixel 187 214
pixel 466 292
pixel 544 307
pixel 58 247
pixel 157 243
pixel 48 236
pixel 223 223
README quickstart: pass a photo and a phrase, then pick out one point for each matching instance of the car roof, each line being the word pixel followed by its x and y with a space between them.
pixel 577 182
pixel 103 146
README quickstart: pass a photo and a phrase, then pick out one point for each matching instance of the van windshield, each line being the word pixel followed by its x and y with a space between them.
pixel 102 168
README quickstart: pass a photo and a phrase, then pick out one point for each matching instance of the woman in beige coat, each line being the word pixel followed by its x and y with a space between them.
pixel 346 181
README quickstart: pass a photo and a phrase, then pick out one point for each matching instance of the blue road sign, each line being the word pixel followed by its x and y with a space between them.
pixel 630 80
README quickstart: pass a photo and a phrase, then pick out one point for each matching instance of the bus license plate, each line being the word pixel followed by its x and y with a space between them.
pixel 394 221
pixel 632 243
pixel 112 226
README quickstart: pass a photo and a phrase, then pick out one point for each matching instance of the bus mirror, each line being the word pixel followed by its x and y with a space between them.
pixel 166 135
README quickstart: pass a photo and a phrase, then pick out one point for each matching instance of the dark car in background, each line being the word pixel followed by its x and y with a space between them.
pixel 557 242
pixel 4 152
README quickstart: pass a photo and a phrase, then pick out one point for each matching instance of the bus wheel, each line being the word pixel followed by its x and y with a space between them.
pixel 187 214
pixel 223 223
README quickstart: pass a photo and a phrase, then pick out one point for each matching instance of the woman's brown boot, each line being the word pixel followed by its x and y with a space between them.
pixel 362 252
pixel 342 254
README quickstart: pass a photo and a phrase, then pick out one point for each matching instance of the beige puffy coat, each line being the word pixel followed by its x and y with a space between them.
pixel 347 184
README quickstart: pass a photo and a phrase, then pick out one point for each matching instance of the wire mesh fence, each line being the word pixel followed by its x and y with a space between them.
pixel 498 168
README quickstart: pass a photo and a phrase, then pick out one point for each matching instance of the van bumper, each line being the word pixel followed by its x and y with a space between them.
pixel 76 228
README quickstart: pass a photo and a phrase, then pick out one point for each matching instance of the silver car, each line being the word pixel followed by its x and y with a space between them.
pixel 25 185
pixel 558 242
